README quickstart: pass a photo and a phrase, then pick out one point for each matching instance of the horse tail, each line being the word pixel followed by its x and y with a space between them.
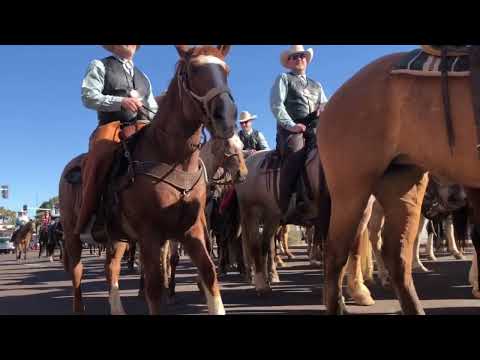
pixel 366 259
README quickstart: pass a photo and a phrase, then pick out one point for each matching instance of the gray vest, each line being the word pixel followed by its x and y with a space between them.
pixel 302 99
pixel 118 82
pixel 250 142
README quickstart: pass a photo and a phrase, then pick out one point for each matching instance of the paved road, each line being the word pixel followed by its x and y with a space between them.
pixel 43 288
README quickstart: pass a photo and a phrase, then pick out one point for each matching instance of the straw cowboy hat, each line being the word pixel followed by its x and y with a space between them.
pixel 246 116
pixel 109 48
pixel 296 49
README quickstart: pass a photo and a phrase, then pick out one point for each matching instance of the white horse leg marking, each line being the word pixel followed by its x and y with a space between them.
pixel 452 245
pixel 417 264
pixel 214 303
pixel 430 253
pixel 473 276
pixel 116 307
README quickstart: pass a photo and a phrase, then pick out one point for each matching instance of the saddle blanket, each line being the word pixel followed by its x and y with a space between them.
pixel 420 63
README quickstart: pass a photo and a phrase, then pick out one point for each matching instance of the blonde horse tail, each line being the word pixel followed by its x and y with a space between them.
pixel 366 257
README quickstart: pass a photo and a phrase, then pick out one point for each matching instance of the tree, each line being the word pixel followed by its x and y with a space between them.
pixel 9 216
pixel 49 204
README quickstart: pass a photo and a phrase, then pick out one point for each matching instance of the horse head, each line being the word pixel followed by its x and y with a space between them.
pixel 202 76
pixel 228 155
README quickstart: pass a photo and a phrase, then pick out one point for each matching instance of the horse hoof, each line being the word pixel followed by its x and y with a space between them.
pixel 363 300
pixel 315 263
pixel 118 312
pixel 141 294
pixel 275 279
pixel 264 292
pixel 281 264
pixel 459 256
pixel 419 268
pixel 476 294
pixel 290 256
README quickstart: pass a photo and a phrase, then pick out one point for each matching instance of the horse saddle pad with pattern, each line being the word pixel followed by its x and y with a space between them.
pixel 420 63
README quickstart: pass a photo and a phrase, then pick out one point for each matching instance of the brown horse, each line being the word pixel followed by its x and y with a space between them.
pixel 21 239
pixel 219 157
pixel 380 134
pixel 167 198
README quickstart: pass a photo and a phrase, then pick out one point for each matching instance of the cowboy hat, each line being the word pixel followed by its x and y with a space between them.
pixel 296 49
pixel 109 48
pixel 246 116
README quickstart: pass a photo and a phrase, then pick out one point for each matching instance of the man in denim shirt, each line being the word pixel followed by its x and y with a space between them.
pixel 296 102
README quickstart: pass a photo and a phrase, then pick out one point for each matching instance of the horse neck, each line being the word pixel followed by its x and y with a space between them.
pixel 208 159
pixel 176 133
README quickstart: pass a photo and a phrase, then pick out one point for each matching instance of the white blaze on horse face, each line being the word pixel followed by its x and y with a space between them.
pixel 209 59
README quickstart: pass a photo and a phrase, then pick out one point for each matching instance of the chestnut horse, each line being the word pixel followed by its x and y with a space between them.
pixel 380 134
pixel 21 239
pixel 166 200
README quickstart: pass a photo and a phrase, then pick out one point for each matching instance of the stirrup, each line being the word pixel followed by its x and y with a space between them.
pixel 86 235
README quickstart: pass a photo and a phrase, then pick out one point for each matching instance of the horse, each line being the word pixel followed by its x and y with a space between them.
pixel 224 160
pixel 391 132
pixel 21 239
pixel 42 240
pixel 55 238
pixel 166 199
pixel 258 204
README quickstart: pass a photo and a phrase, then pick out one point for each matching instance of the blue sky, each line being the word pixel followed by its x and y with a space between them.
pixel 44 123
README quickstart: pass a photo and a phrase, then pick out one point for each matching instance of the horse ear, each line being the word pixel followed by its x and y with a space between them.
pixel 224 49
pixel 182 50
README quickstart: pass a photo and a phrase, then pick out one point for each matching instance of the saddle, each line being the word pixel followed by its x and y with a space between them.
pixel 118 178
pixel 447 61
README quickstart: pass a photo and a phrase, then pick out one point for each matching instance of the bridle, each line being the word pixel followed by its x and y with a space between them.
pixel 203 101
pixel 220 181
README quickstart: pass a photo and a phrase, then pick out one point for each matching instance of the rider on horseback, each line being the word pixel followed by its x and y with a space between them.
pixel 296 102
pixel 253 140
pixel 122 95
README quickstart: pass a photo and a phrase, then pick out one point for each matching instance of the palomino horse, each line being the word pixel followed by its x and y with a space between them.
pixel 259 206
pixel 379 134
pixel 21 239
pixel 166 200
pixel 219 157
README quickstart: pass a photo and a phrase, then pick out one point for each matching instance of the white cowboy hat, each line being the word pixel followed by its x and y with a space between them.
pixel 109 48
pixel 296 49
pixel 246 116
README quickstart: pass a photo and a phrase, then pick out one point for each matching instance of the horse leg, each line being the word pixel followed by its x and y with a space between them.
pixel 113 262
pixel 344 222
pixel 268 235
pixel 375 229
pixel 474 201
pixel 195 246
pixel 156 284
pixel 356 288
pixel 284 238
pixel 430 249
pixel 174 261
pixel 450 234
pixel 417 263
pixel 401 193
pixel 73 250
pixel 247 235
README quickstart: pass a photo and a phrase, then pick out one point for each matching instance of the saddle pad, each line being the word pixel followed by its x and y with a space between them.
pixel 271 162
pixel 419 63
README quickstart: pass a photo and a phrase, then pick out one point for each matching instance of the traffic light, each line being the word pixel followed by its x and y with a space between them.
pixel 5 191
